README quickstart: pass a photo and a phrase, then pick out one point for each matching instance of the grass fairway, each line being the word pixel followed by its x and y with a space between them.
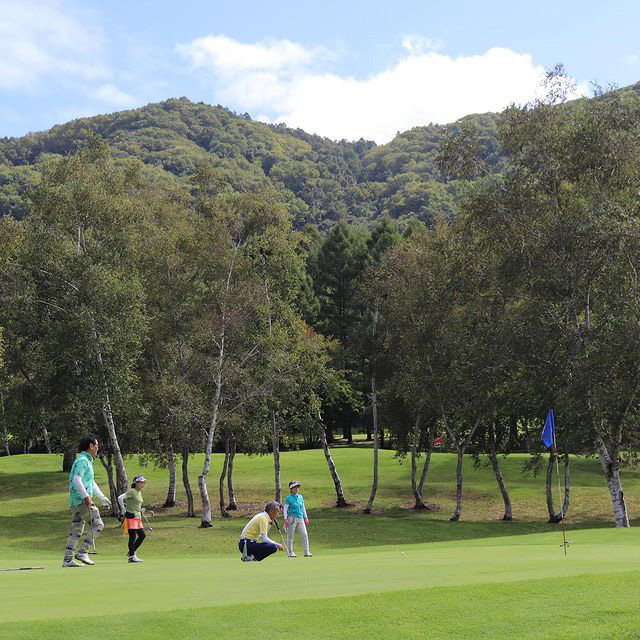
pixel 395 574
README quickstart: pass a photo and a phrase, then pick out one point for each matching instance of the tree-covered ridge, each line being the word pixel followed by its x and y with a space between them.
pixel 320 180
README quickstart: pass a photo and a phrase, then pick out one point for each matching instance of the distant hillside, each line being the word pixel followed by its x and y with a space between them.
pixel 321 180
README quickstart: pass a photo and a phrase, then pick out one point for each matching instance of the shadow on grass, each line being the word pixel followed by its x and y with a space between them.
pixel 400 526
pixel 31 484
pixel 329 529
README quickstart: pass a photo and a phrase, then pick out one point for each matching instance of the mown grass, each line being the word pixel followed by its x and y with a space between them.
pixel 34 515
pixel 396 573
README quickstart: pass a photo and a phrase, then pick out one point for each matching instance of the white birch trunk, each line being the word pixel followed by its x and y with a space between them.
pixel 107 413
pixel 612 474
pixel 275 438
pixel 202 478
pixel 340 499
pixel 47 442
pixel 113 494
pixel 213 424
pixel 121 472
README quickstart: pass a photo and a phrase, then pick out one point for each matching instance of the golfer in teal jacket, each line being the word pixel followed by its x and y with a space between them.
pixel 296 518
pixel 82 487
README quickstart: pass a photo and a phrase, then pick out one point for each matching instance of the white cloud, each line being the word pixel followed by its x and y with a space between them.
pixel 227 56
pixel 40 41
pixel 417 44
pixel 633 59
pixel 111 95
pixel 277 79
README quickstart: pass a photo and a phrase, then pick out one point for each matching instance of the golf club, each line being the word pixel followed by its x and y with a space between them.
pixel 149 527
pixel 282 538
pixel 93 537
pixel 21 568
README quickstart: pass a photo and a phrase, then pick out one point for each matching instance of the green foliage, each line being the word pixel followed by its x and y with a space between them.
pixel 321 181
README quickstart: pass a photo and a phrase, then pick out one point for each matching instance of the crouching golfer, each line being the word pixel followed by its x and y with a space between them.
pixel 82 486
pixel 254 542
pixel 132 516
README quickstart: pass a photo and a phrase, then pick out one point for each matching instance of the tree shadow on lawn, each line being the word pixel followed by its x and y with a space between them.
pixel 329 529
pixel 35 530
pixel 31 484
pixel 401 526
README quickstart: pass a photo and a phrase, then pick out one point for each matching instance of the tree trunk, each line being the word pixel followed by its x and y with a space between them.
pixel 347 433
pixel 69 457
pixel 121 471
pixel 185 481
pixel 5 433
pixel 508 515
pixel 567 487
pixel 414 465
pixel 610 466
pixel 223 475
pixel 107 413
pixel 549 489
pixel 233 505
pixel 47 442
pixel 553 516
pixel 113 494
pixel 202 478
pixel 171 492
pixel 376 443
pixel 425 466
pixel 461 451
pixel 340 501
pixel 458 510
pixel 275 438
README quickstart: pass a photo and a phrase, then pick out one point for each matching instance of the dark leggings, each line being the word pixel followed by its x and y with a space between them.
pixel 133 543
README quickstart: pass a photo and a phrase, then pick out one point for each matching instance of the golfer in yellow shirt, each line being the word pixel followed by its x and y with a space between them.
pixel 254 542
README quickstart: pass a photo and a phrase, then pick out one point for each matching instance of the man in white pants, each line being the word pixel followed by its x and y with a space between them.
pixel 82 486
pixel 295 517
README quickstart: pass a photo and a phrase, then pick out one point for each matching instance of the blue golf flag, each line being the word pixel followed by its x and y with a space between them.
pixel 549 430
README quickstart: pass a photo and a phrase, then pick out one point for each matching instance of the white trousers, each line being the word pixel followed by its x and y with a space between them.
pixel 297 523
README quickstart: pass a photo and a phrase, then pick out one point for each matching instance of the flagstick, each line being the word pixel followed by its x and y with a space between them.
pixel 560 501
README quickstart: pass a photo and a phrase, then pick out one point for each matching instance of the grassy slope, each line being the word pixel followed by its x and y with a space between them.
pixel 351 588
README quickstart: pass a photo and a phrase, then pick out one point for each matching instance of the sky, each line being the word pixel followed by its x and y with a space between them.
pixel 342 69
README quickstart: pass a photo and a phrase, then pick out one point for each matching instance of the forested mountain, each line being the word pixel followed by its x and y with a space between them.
pixel 320 180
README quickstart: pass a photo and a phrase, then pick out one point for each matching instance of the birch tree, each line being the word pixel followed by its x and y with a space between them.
pixel 234 325
pixel 78 259
pixel 568 259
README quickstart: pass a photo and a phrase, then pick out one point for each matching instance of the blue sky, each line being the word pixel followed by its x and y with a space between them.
pixel 342 69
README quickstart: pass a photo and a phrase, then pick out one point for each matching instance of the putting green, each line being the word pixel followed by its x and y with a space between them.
pixel 166 583
pixel 480 578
